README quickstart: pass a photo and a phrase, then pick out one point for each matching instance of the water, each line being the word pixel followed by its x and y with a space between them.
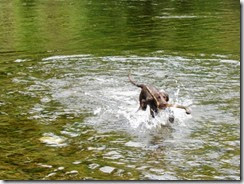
pixel 68 111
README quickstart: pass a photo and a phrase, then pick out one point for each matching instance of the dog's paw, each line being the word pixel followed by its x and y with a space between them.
pixel 171 119
pixel 188 111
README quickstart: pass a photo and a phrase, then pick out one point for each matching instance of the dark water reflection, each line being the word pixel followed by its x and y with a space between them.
pixel 68 112
pixel 117 27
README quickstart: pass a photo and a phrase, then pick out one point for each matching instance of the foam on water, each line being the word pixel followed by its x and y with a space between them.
pixel 111 99
pixel 119 110
pixel 63 57
pixel 179 17
pixel 99 86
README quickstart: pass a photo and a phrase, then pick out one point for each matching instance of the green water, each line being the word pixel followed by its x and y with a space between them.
pixel 68 112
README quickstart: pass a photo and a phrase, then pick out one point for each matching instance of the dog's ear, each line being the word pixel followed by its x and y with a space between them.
pixel 165 95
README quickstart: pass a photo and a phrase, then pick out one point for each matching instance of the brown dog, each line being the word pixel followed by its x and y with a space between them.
pixel 154 98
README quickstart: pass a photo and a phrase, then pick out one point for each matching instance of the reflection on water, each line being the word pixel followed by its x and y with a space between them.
pixel 69 112
pixel 120 27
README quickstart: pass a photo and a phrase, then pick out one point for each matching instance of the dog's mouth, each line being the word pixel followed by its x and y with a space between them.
pixel 162 106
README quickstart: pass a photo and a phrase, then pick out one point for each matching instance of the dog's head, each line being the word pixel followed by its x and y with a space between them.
pixel 162 99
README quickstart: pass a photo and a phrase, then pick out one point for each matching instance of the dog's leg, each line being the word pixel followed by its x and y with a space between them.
pixel 143 104
pixel 188 111
pixel 171 116
pixel 152 112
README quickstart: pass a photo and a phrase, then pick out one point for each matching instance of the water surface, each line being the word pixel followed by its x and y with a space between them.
pixel 68 111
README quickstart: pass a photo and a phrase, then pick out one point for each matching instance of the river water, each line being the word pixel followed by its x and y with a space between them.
pixel 68 111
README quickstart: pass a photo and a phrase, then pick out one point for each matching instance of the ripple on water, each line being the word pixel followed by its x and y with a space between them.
pixel 67 57
pixel 177 17
pixel 93 166
pixel 44 165
pixel 161 177
pixel 134 144
pixel 107 169
pixel 113 155
pixel 76 162
pixel 109 103
pixel 98 86
pixel 72 172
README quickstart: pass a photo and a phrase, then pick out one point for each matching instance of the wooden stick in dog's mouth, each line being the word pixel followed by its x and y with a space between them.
pixel 188 111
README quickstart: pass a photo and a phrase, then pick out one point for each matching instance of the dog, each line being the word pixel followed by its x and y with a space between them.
pixel 155 99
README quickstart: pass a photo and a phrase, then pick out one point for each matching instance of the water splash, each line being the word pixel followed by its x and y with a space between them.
pixel 111 100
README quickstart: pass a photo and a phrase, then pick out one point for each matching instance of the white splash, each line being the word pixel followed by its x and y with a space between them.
pixel 63 57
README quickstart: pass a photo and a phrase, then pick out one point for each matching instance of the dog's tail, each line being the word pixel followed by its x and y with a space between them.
pixel 132 82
